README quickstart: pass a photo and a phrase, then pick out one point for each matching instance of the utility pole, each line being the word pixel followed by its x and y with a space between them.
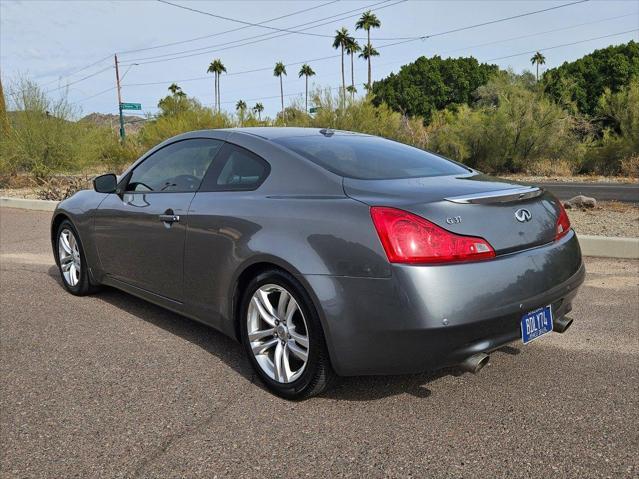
pixel 117 80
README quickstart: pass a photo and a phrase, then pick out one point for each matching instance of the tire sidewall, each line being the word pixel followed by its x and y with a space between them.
pixel 83 284
pixel 316 336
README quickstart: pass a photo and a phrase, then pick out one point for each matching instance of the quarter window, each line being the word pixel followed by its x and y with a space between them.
pixel 178 167
pixel 236 169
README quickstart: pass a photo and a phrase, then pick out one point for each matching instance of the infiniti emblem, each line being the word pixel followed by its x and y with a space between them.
pixel 523 215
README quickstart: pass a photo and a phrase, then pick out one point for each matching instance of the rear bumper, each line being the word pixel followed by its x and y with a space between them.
pixel 428 317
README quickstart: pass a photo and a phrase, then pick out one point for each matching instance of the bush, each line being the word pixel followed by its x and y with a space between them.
pixel 196 117
pixel 619 145
pixel 512 126
pixel 43 137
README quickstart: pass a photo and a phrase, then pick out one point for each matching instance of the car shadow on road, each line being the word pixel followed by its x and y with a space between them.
pixel 355 388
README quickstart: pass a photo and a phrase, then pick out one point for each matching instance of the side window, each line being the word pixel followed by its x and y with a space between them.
pixel 178 167
pixel 236 169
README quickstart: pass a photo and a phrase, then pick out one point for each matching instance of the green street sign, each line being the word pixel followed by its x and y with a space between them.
pixel 313 109
pixel 131 106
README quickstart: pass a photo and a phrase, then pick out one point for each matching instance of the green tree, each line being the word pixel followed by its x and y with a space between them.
pixel 367 21
pixel 431 84
pixel 538 59
pixel 279 71
pixel 175 89
pixel 367 53
pixel 240 107
pixel 306 71
pixel 217 68
pixel 510 130
pixel 175 103
pixel 619 141
pixel 340 41
pixel 352 47
pixel 258 108
pixel 582 82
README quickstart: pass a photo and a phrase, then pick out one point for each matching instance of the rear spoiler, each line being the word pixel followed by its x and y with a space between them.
pixel 500 196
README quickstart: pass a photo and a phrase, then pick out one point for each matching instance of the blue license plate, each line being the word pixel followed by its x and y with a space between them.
pixel 535 324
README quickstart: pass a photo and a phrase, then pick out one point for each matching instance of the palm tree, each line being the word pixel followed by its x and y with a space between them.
pixel 306 71
pixel 240 107
pixel 340 41
pixel 366 54
pixel 538 59
pixel 352 47
pixel 217 68
pixel 352 90
pixel 278 71
pixel 258 108
pixel 174 88
pixel 367 21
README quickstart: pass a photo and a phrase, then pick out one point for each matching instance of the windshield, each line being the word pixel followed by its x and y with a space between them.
pixel 369 157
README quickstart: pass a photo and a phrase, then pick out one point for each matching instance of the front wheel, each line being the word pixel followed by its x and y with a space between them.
pixel 72 262
pixel 283 337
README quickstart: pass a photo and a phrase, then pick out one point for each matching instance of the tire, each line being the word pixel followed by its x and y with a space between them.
pixel 292 331
pixel 71 261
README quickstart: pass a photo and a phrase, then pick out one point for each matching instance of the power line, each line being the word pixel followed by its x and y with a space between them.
pixel 479 45
pixel 227 31
pixel 455 30
pixel 563 45
pixel 300 32
pixel 186 41
pixel 256 70
pixel 78 81
pixel 408 40
pixel 78 70
pixel 492 59
pixel 269 36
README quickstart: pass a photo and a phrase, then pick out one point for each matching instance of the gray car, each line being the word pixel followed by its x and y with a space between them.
pixel 326 252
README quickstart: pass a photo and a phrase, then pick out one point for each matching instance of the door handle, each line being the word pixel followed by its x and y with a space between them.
pixel 169 217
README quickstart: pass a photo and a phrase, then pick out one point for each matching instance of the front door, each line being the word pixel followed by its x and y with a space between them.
pixel 140 232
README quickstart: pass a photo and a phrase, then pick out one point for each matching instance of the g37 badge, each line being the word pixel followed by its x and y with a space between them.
pixel 455 220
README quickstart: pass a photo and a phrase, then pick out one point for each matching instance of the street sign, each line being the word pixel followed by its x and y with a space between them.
pixel 313 109
pixel 131 106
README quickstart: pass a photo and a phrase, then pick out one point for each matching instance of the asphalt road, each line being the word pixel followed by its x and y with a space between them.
pixel 111 386
pixel 626 192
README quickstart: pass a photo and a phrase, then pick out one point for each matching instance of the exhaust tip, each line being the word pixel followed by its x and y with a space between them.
pixel 475 363
pixel 562 324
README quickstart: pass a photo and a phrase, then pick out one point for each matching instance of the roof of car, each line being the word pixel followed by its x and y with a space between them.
pixel 272 133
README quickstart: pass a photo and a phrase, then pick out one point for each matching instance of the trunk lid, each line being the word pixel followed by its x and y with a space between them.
pixel 472 205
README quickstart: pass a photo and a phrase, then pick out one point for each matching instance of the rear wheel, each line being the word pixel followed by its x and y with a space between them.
pixel 283 337
pixel 72 261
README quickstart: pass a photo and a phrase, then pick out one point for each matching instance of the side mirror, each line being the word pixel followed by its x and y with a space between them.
pixel 105 183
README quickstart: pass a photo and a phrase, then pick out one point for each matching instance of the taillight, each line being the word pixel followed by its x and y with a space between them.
pixel 563 222
pixel 408 238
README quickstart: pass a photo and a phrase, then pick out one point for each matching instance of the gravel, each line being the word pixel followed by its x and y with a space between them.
pixel 607 219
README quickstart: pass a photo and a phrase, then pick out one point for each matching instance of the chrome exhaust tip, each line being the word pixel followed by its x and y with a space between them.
pixel 474 363
pixel 562 324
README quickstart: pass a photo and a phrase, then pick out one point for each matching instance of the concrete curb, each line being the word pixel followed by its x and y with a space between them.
pixel 603 246
pixel 609 247
pixel 26 204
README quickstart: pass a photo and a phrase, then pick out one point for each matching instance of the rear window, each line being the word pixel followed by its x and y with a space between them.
pixel 369 157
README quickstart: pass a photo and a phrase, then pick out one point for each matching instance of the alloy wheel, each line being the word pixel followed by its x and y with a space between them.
pixel 277 333
pixel 69 255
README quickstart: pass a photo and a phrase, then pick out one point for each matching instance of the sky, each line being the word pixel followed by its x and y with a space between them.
pixel 68 46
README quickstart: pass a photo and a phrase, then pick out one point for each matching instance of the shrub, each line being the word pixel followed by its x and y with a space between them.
pixel 511 126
